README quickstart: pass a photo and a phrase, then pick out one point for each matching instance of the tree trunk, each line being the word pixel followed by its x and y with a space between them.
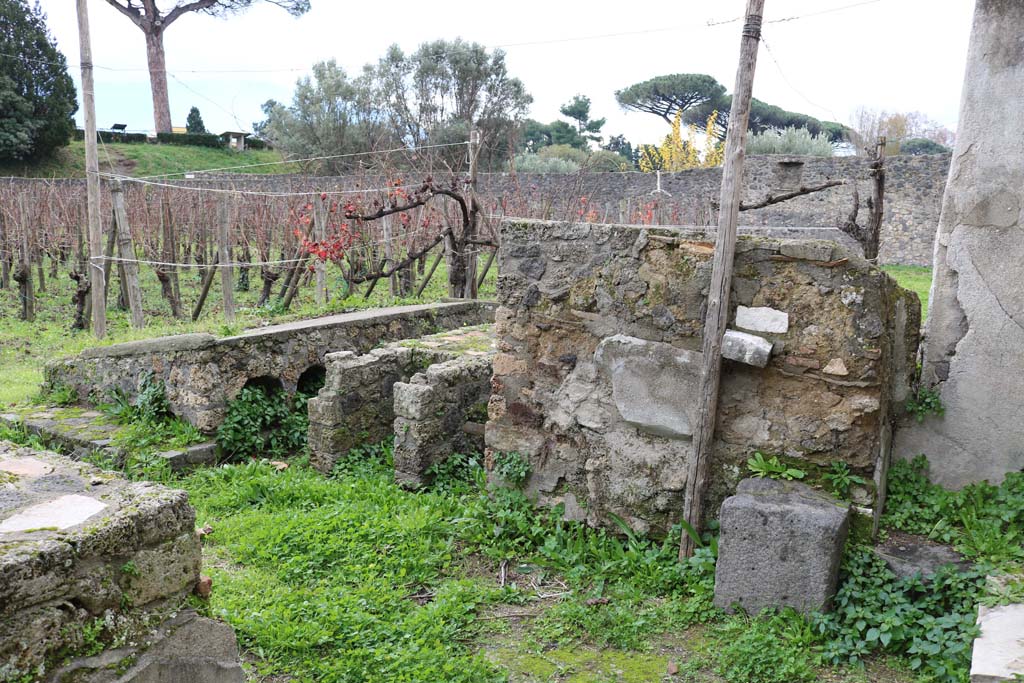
pixel 158 79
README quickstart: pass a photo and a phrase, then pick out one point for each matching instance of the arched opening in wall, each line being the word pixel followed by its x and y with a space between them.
pixel 312 380
pixel 269 385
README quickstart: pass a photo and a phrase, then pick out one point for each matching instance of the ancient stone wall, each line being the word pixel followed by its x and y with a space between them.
pixel 78 545
pixel 974 350
pixel 202 373
pixel 431 412
pixel 913 196
pixel 356 405
pixel 599 336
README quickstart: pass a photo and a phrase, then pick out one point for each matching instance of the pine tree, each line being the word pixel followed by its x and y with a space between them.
pixel 37 96
pixel 194 122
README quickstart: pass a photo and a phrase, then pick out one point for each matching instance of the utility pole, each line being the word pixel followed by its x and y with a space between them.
pixel 92 178
pixel 721 275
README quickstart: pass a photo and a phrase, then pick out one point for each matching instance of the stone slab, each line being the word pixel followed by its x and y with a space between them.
pixel 746 348
pixel 762 319
pixel 60 513
pixel 654 385
pixel 25 467
pixel 907 555
pixel 998 653
pixel 780 546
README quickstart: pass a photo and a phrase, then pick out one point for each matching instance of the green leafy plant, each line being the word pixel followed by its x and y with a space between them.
pixel 839 479
pixel 925 402
pixel 512 468
pixel 264 420
pixel 772 468
pixel 59 394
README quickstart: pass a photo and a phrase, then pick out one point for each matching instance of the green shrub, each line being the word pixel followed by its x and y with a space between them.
pixel 194 139
pixel 264 420
pixel 534 163
pixel 790 141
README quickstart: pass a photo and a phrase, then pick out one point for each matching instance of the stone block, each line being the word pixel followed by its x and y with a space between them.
pixel 780 546
pixel 746 348
pixel 906 555
pixel 998 653
pixel 762 319
pixel 654 385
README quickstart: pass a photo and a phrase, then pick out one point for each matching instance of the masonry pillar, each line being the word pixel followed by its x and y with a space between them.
pixel 974 347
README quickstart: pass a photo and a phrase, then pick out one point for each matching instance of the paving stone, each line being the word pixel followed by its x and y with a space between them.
pixel 907 555
pixel 25 467
pixel 762 319
pixel 746 348
pixel 780 546
pixel 59 513
pixel 998 653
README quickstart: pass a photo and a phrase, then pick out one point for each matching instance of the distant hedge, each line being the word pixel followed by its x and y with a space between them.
pixel 194 139
pixel 110 136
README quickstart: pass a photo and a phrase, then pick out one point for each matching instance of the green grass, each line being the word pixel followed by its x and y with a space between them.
pixel 915 278
pixel 26 347
pixel 145 159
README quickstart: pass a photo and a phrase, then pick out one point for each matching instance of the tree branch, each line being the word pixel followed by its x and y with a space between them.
pixel 775 199
pixel 129 11
pixel 194 6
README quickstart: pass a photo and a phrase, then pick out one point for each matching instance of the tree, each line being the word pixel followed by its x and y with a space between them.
pixel 330 114
pixel 763 117
pixel 37 96
pixel 194 122
pixel 666 95
pixel 623 147
pixel 896 127
pixel 578 109
pixel 438 93
pixel 154 22
pixel 919 146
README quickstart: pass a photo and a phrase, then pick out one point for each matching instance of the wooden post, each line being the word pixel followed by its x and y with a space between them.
pixel 389 254
pixel 92 176
pixel 23 273
pixel 320 235
pixel 430 273
pixel 227 281
pixel 470 254
pixel 721 276
pixel 126 252
pixel 487 268
pixel 108 262
pixel 211 270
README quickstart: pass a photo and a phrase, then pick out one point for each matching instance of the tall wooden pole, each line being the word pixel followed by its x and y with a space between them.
pixel 721 275
pixel 320 235
pixel 474 211
pixel 92 178
pixel 227 280
pixel 127 253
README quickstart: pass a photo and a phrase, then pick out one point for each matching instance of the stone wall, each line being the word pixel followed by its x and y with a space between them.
pixel 599 336
pixel 913 196
pixel 202 373
pixel 78 544
pixel 356 405
pixel 974 348
pixel 431 412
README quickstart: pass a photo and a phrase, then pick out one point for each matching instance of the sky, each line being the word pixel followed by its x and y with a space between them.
pixel 825 58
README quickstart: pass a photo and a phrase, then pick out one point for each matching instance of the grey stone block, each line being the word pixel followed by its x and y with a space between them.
pixel 654 385
pixel 780 546
pixel 907 555
pixel 998 653
pixel 746 348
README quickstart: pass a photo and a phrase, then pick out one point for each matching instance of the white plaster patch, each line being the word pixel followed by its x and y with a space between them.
pixel 25 467
pixel 59 513
pixel 999 650
pixel 762 319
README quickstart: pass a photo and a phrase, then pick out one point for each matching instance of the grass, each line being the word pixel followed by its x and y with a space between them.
pixel 26 347
pixel 917 279
pixel 145 159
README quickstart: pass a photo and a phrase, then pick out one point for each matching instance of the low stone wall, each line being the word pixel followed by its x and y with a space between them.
pixel 78 545
pixel 599 336
pixel 202 373
pixel 356 405
pixel 431 412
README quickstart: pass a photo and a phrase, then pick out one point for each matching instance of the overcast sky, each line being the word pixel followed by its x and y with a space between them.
pixel 902 55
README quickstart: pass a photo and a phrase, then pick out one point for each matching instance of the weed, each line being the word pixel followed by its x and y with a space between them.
pixel 772 468
pixel 262 420
pixel 925 402
pixel 512 468
pixel 840 479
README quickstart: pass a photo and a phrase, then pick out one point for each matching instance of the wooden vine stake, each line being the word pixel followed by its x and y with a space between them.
pixel 227 279
pixel 721 276
pixel 126 252
pixel 320 235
